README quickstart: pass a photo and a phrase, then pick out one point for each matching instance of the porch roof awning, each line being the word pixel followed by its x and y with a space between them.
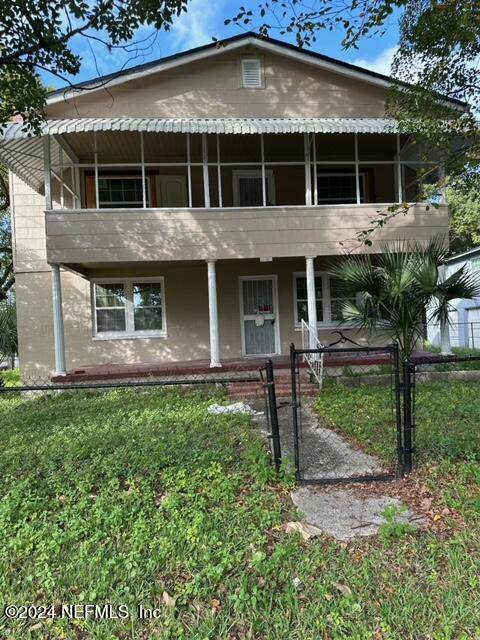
pixel 22 152
pixel 15 131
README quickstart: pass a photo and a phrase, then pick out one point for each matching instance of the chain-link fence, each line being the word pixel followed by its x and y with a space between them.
pixel 339 414
pixel 15 385
pixel 463 335
pixel 441 409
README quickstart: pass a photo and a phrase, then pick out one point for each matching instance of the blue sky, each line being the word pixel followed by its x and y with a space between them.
pixel 204 20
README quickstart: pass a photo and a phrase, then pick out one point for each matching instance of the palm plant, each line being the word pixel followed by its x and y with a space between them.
pixel 8 333
pixel 392 291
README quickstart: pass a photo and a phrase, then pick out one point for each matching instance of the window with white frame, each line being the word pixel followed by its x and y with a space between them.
pixel 132 307
pixel 328 296
pixel 301 298
pixel 122 191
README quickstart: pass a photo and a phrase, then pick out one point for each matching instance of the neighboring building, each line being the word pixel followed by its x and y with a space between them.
pixel 189 208
pixel 465 316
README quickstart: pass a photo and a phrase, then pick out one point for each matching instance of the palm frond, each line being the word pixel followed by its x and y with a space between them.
pixel 8 331
pixel 354 274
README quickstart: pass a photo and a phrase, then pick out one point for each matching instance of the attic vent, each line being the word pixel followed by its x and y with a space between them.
pixel 252 73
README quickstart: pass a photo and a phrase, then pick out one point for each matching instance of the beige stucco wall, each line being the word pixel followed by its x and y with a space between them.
pixel 136 235
pixel 210 88
pixel 186 301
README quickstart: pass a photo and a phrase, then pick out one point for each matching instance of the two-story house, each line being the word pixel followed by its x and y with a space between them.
pixel 189 208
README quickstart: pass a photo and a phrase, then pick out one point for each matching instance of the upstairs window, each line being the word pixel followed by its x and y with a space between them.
pixel 121 192
pixel 337 187
pixel 252 73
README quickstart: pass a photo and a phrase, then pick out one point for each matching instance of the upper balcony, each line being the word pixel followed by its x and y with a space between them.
pixel 121 195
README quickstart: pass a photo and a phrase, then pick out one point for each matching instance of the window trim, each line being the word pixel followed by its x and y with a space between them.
pixel 117 204
pixel 253 173
pixel 129 332
pixel 327 322
pixel 89 192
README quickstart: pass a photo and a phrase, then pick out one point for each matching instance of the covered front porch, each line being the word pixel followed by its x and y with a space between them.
pixel 162 318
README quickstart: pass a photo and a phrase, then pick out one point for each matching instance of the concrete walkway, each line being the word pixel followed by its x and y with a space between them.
pixel 343 513
pixel 346 513
pixel 324 454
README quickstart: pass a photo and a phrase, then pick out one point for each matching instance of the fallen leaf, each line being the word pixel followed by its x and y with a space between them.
pixel 168 600
pixel 344 590
pixel 306 530
pixel 328 596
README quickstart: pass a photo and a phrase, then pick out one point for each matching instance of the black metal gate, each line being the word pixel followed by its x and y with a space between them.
pixel 350 429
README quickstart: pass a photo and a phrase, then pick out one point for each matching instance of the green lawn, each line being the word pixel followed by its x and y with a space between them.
pixel 10 378
pixel 447 418
pixel 116 498
pixel 461 352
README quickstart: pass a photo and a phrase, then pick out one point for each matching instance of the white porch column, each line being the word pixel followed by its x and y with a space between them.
pixel 311 300
pixel 308 170
pixel 213 315
pixel 58 328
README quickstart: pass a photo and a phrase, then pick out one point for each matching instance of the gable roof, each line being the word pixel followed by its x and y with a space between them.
pixel 213 49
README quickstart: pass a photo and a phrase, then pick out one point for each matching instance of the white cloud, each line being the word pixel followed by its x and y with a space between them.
pixel 381 64
pixel 197 25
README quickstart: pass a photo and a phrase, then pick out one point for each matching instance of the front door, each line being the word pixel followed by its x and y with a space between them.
pixel 258 300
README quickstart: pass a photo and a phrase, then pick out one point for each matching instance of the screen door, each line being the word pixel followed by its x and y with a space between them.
pixel 259 316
